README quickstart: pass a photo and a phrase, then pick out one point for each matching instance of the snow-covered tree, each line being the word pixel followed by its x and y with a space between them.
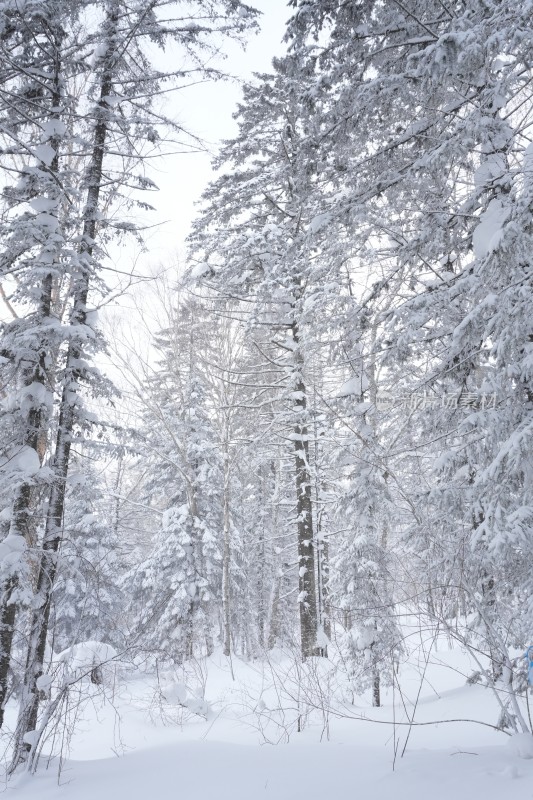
pixel 177 589
pixel 34 106
pixel 87 604
pixel 431 133
pixel 258 241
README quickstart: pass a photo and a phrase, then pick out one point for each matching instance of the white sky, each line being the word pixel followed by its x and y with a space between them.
pixel 206 110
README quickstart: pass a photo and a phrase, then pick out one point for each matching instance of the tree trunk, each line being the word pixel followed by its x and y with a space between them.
pixel 304 510
pixel 489 601
pixel 226 557
pixel 274 626
pixel 321 548
pixel 376 694
pixel 7 628
pixel 326 605
pixel 274 615
pixel 261 553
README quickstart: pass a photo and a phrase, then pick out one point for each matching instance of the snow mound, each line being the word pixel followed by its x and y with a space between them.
pixel 178 694
pixel 94 661
pixel 489 233
pixel 23 461
pixel 522 745
pixel 12 548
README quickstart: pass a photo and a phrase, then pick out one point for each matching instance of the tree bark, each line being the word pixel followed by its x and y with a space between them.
pixel 304 510
pixel 376 694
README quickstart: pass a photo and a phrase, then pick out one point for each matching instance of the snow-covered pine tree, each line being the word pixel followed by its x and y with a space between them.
pixel 362 583
pixel 481 312
pixel 263 501
pixel 258 242
pixel 177 590
pixel 87 603
pixel 444 176
pixel 35 106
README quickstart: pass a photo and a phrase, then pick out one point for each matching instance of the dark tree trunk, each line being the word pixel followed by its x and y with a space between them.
pixel 7 628
pixel 376 693
pixel 304 513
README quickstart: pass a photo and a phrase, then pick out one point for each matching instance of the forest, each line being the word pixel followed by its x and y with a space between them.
pixel 307 453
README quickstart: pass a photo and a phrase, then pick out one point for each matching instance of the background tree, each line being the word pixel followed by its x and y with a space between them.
pixel 87 604
pixel 187 485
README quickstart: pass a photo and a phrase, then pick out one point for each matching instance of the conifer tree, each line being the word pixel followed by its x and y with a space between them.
pixel 178 587
pixel 87 604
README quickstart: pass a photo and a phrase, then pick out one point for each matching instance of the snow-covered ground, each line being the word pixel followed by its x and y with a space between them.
pixel 263 734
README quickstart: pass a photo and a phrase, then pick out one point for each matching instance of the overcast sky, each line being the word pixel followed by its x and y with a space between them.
pixel 207 111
